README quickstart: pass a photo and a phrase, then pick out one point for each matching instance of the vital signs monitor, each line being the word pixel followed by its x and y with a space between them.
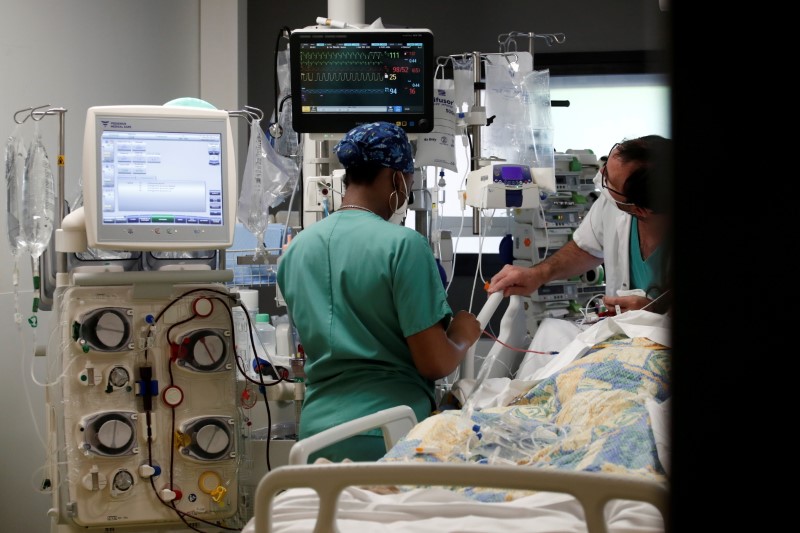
pixel 159 178
pixel 345 77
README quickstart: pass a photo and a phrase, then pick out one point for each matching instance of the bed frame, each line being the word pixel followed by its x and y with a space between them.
pixel 592 489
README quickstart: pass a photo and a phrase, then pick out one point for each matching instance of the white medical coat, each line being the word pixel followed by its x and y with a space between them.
pixel 605 233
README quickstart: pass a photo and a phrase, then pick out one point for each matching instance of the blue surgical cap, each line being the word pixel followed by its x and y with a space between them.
pixel 379 143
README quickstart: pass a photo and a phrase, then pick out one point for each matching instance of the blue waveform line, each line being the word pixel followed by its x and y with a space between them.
pixel 347 91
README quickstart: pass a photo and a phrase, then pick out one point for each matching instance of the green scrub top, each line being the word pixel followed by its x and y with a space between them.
pixel 645 275
pixel 356 286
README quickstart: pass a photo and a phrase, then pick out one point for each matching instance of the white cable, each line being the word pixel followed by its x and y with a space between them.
pixel 546 234
pixel 654 300
pixel 585 310
pixel 34 419
pixel 455 251
pixel 289 210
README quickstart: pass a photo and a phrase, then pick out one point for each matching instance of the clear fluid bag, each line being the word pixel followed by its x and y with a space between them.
pixel 253 207
pixel 38 205
pixel 15 155
pixel 266 174
pixel 15 168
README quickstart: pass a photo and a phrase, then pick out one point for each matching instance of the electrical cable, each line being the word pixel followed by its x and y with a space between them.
pixel 283 32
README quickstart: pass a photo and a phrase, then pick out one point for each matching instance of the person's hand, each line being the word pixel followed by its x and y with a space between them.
pixel 515 280
pixel 626 303
pixel 464 329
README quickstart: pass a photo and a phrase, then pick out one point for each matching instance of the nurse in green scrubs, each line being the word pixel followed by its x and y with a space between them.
pixel 367 299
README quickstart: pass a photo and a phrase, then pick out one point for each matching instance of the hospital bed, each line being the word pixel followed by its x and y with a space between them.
pixel 579 443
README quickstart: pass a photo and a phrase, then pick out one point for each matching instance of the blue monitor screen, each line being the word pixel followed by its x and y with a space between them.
pixel 343 78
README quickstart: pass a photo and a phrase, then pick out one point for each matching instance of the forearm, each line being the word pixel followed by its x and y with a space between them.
pixel 439 359
pixel 570 260
pixel 438 352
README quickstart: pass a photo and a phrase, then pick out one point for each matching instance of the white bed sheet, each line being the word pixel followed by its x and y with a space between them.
pixel 571 342
pixel 436 510
pixel 632 323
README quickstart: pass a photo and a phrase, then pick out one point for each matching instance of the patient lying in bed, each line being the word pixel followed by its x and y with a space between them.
pixel 589 410
pixel 592 416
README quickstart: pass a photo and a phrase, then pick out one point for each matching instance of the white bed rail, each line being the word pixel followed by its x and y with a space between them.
pixel 592 489
pixel 394 422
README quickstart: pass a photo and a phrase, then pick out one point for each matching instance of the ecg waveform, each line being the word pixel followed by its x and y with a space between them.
pixel 340 58
pixel 341 76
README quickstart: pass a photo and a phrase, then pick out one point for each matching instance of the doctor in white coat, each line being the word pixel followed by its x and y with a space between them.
pixel 626 230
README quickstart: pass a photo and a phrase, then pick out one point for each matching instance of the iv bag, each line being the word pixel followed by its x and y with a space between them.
pixel 506 99
pixel 464 83
pixel 288 147
pixel 265 176
pixel 438 147
pixel 289 143
pixel 15 168
pixel 38 198
pixel 253 207
pixel 539 154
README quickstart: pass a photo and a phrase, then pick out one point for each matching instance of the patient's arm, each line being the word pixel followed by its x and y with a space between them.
pixel 626 303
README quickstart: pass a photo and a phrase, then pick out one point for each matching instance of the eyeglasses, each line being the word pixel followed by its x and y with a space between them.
pixel 604 180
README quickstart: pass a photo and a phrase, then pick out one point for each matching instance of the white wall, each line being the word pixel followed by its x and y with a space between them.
pixel 73 55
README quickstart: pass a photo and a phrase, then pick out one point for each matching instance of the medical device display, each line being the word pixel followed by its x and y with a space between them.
pixel 343 78
pixel 158 178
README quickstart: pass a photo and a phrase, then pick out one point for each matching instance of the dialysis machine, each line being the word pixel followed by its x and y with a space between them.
pixel 143 412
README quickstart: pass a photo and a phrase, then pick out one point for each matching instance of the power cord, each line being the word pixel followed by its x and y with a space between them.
pixel 275 129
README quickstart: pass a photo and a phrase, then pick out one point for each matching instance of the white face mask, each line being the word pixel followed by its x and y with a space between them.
pixel 399 214
pixel 608 196
pixel 598 183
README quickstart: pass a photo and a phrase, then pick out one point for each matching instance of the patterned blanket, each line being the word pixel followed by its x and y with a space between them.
pixel 590 416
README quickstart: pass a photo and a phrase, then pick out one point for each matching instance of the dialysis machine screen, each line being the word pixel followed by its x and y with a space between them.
pixel 159 178
pixel 343 78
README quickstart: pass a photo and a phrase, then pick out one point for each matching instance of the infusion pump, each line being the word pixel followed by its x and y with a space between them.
pixel 323 196
pixel 502 186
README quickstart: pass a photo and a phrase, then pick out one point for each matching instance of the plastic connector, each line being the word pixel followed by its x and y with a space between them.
pixel 146 387
pixel 299 391
pixel 148 471
pixel 168 495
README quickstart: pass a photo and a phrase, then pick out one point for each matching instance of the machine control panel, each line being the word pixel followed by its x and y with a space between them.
pixel 512 175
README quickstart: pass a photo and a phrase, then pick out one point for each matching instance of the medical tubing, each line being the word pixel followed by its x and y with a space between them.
pixel 282 32
pixel 492 302
pixel 289 211
pixel 512 438
pixel 495 445
pixel 455 251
